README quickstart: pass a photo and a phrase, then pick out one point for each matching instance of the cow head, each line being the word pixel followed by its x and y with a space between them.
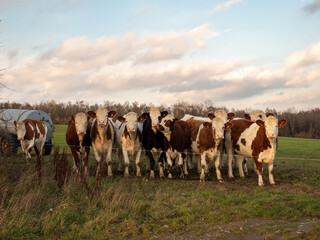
pixel 102 116
pixel 131 120
pixel 81 121
pixel 218 126
pixel 255 116
pixel 155 116
pixel 21 130
pixel 166 122
pixel 271 125
pixel 222 114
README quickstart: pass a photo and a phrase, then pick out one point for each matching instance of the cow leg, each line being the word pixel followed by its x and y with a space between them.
pixel 138 155
pixel 239 164
pixel 189 159
pixel 259 171
pixel 161 161
pixel 270 168
pixel 152 162
pixel 120 156
pixel 180 163
pixel 148 163
pixel 229 151
pixel 85 162
pixel 218 172
pixel 126 163
pixel 108 160
pixel 99 160
pixel 198 163
pixel 185 168
pixel 220 154
pixel 203 167
pixel 245 167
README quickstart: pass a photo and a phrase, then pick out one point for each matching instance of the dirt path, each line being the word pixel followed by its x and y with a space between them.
pixel 253 229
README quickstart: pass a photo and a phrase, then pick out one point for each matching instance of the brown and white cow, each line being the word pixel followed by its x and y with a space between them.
pixel 256 140
pixel 177 142
pixel 79 140
pixel 129 140
pixel 252 116
pixel 225 117
pixel 31 133
pixel 206 137
pixel 102 138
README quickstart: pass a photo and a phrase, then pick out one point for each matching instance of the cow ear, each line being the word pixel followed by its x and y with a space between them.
pixel 282 122
pixel 15 123
pixel 207 125
pixel 91 114
pixel 227 125
pixel 269 114
pixel 111 114
pixel 260 123
pixel 231 115
pixel 247 116
pixel 164 113
pixel 121 119
pixel 210 115
pixel 141 118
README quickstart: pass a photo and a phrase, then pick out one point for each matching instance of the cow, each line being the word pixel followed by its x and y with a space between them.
pixel 256 140
pixel 31 133
pixel 153 139
pixel 177 142
pixel 220 113
pixel 78 139
pixel 102 138
pixel 252 116
pixel 206 137
pixel 129 140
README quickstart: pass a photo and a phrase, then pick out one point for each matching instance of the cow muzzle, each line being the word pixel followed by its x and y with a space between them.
pixel 271 135
pixel 220 136
pixel 19 138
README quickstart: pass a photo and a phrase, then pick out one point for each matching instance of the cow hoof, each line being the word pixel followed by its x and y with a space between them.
pixel 220 181
pixel 126 175
pixel 231 177
pixel 110 177
pixel 138 174
pixel 181 176
pixel 272 183
pixel 170 176
pixel 202 180
pixel 151 175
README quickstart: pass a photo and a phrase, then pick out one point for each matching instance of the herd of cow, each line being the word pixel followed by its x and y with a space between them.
pixel 159 134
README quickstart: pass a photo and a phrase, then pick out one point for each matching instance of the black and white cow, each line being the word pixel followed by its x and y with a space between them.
pixel 153 139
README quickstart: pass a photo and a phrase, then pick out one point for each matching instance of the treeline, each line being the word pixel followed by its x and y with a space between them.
pixel 304 124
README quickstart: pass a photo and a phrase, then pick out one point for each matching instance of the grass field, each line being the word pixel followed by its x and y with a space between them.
pixel 137 208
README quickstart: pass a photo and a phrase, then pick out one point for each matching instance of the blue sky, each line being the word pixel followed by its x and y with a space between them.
pixel 236 53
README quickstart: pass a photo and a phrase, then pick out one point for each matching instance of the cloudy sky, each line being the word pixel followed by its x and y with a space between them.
pixel 236 53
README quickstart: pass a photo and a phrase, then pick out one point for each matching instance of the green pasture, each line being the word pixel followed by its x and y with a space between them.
pixel 139 208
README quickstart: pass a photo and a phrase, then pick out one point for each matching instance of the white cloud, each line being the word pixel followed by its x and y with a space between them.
pixel 135 67
pixel 224 6
pixel 308 56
